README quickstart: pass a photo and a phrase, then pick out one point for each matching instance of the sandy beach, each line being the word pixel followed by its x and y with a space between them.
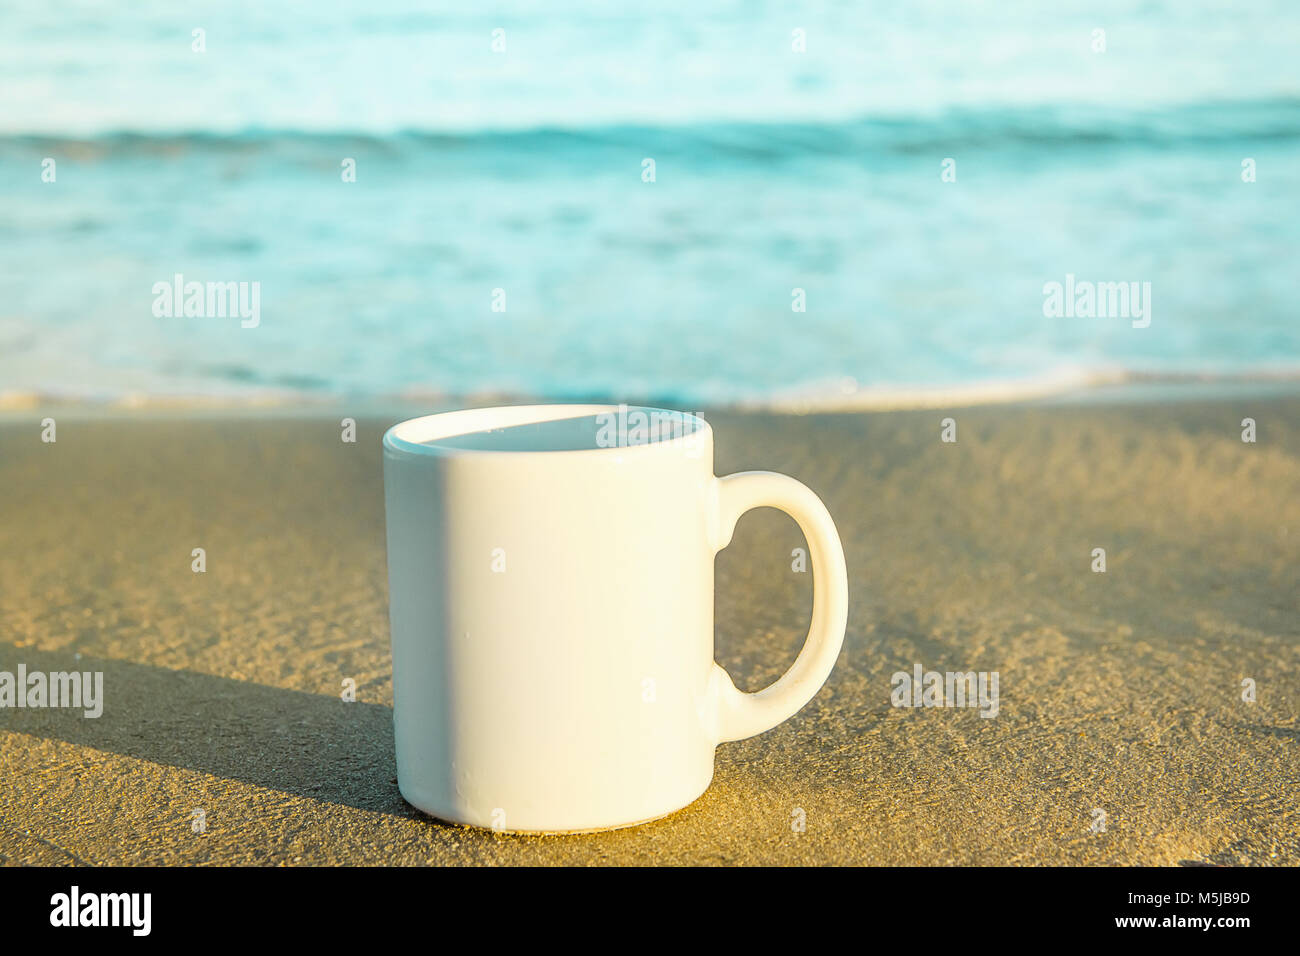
pixel 1120 692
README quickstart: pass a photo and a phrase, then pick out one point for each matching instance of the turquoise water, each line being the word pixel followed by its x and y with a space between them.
pixel 522 171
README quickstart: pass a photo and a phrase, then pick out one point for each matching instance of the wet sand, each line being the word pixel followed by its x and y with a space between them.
pixel 1120 692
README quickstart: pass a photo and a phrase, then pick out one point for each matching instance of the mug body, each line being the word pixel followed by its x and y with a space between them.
pixel 551 610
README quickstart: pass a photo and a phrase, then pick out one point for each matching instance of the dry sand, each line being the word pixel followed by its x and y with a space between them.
pixel 1119 691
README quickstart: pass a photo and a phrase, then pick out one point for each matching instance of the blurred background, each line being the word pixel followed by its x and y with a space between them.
pixel 521 170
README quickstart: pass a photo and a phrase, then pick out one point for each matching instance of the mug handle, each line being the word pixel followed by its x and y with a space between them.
pixel 741 714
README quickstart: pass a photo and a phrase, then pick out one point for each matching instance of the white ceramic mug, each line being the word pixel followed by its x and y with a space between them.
pixel 551 602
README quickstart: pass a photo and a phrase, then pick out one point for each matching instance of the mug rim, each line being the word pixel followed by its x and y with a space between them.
pixel 397 443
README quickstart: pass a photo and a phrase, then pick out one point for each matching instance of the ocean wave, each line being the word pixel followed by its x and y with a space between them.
pixel 953 131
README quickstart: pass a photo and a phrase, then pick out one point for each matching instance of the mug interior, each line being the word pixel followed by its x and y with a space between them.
pixel 542 428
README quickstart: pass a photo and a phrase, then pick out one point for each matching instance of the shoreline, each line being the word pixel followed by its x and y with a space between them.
pixel 1078 390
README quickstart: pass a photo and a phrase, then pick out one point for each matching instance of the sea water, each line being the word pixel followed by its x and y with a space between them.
pixel 845 197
